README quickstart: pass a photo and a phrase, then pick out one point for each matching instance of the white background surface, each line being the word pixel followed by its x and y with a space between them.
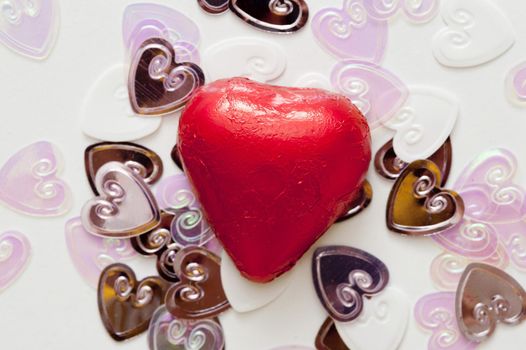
pixel 51 307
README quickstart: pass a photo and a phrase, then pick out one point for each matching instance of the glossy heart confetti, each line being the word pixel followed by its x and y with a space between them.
pixel 516 84
pixel 29 27
pixel 390 166
pixel 343 276
pixel 376 92
pixel 125 304
pixel 91 254
pixel 487 295
pixel 29 182
pixel 15 251
pixel 417 205
pixel 477 32
pixel 141 160
pixel 277 16
pixel 167 332
pixel 157 84
pixel 125 207
pixel 214 6
pixel 328 337
pixel 361 201
pixel 418 11
pixel 199 293
pixel 349 33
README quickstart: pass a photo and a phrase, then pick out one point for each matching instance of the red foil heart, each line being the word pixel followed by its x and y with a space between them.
pixel 273 167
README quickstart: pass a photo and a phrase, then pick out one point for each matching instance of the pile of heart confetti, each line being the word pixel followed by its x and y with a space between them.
pixel 478 221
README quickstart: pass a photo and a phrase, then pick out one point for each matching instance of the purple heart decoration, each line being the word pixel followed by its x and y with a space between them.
pixel 418 11
pixel 350 33
pixel 14 256
pixel 343 275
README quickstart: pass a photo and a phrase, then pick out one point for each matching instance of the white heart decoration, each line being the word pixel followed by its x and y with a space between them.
pixel 253 58
pixel 382 324
pixel 477 32
pixel 106 112
pixel 245 295
pixel 424 123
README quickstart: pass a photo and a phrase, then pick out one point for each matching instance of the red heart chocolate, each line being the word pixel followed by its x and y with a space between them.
pixel 273 167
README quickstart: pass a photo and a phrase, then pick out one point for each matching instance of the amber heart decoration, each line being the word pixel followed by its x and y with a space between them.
pixel 157 84
pixel 125 304
pixel 417 204
pixel 328 337
pixel 199 293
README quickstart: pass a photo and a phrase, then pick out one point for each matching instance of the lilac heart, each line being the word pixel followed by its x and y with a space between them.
pixel 417 11
pixel 349 33
pixel 29 183
pixel 378 93
pixel 513 237
pixel 91 254
pixel 29 27
pixel 436 313
pixel 14 256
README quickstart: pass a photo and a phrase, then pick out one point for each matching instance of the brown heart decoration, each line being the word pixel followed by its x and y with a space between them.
pixel 418 206
pixel 199 293
pixel 362 201
pixel 487 295
pixel 157 84
pixel 143 161
pixel 388 165
pixel 156 241
pixel 328 337
pixel 126 305
pixel 214 6
pixel 280 16
pixel 176 158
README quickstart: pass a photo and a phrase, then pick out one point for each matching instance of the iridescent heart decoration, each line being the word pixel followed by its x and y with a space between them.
pixel 417 205
pixel 277 16
pixel 418 11
pixel 125 304
pixel 328 337
pixel 157 84
pixel 516 84
pixel 214 6
pixel 15 251
pixel 343 276
pixel 125 207
pixel 362 201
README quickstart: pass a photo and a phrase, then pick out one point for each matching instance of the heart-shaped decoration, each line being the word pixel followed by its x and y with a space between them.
pixel 350 33
pixel 125 208
pixel 436 313
pixel 167 332
pixel 389 165
pixel 360 202
pixel 417 205
pixel 91 254
pixel 214 6
pixel 174 154
pixel 487 295
pixel 141 160
pixel 157 84
pixel 15 250
pixel 386 314
pixel 278 16
pixel 419 11
pixel 516 84
pixel 29 181
pixel 29 27
pixel 343 275
pixel 280 164
pixel 199 293
pixel 156 241
pixel 477 32
pixel 125 304
pixel 328 337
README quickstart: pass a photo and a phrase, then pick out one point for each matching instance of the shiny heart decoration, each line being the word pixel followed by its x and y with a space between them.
pixel 244 295
pixel 141 160
pixel 174 154
pixel 29 27
pixel 328 337
pixel 436 313
pixel 376 92
pixel 125 304
pixel 418 206
pixel 125 207
pixel 167 332
pixel 424 123
pixel 214 6
pixel 487 295
pixel 157 84
pixel 386 314
pixel 418 11
pixel 249 57
pixel 199 293
pixel 156 241
pixel 277 16
pixel 15 251
pixel 361 201
pixel 349 33
pixel 342 276
pixel 390 166
pixel 477 32
pixel 91 254
pixel 516 84
pixel 29 183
